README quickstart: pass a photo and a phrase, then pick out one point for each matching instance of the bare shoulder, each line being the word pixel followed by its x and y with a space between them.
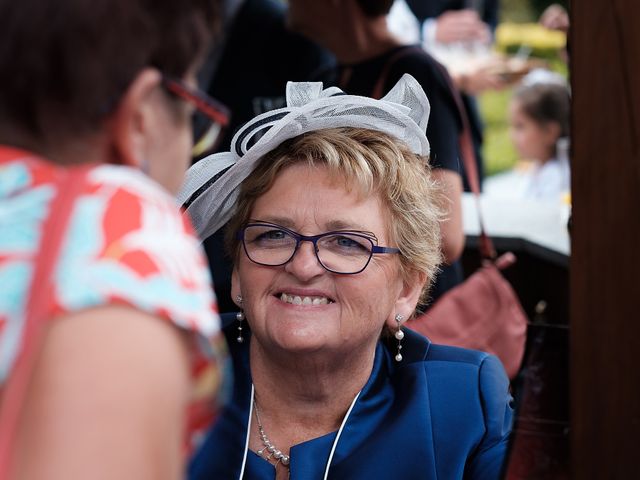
pixel 108 396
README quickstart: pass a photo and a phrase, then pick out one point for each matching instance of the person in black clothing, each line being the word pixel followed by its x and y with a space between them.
pixel 256 59
pixel 370 61
pixel 249 74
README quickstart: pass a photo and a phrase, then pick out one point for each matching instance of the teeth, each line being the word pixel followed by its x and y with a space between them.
pixel 297 300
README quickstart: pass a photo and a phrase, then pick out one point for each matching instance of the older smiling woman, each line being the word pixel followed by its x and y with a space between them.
pixel 335 239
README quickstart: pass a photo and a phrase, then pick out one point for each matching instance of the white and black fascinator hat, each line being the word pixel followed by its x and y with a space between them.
pixel 210 189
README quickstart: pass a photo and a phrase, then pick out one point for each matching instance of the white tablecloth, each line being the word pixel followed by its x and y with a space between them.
pixel 539 223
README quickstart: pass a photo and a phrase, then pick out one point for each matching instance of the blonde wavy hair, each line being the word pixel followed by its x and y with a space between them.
pixel 371 163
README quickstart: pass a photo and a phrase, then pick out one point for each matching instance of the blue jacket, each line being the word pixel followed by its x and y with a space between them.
pixel 443 412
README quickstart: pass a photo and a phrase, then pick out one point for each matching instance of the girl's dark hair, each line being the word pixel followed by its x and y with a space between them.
pixel 546 102
pixel 65 63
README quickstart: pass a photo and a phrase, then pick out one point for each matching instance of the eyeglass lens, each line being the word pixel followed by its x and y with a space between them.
pixel 339 252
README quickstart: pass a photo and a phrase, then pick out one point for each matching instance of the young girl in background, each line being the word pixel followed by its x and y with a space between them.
pixel 539 125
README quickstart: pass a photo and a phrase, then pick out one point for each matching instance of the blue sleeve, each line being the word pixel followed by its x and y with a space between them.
pixel 488 460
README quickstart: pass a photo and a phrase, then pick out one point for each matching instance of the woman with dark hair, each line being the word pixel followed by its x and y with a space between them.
pixel 103 337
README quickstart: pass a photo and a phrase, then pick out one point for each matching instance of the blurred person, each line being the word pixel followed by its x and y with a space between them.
pixel 248 72
pixel 334 232
pixel 456 21
pixel 125 350
pixel 370 61
pixel 459 28
pixel 459 33
pixel 256 56
pixel 539 116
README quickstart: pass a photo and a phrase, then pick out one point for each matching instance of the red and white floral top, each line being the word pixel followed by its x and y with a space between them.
pixel 126 243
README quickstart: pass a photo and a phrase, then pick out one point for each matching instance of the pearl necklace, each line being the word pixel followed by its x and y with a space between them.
pixel 269 451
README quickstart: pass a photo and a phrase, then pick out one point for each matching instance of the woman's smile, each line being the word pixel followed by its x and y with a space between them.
pixel 304 300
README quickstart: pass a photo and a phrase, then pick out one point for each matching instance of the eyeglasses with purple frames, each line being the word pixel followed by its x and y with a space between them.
pixel 343 251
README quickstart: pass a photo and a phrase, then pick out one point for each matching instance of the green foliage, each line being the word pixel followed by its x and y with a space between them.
pixel 497 149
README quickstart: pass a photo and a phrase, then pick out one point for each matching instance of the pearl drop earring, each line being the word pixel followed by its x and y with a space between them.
pixel 399 336
pixel 240 318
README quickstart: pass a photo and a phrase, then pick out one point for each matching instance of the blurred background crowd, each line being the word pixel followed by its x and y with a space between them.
pixel 494 51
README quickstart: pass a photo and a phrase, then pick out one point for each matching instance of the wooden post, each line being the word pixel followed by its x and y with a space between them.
pixel 605 263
